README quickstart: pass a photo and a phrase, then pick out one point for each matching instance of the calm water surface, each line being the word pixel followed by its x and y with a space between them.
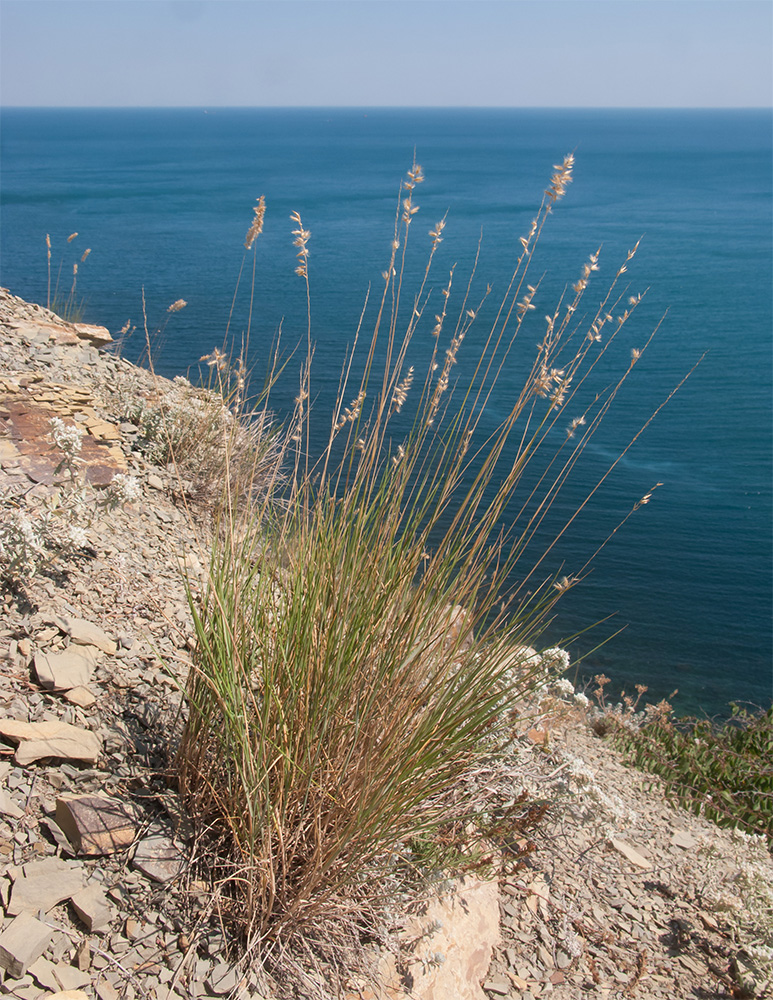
pixel 163 198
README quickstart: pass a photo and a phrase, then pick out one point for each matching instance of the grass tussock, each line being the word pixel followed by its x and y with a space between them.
pixel 361 644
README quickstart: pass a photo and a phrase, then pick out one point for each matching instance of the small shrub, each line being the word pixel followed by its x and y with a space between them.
pixel 205 432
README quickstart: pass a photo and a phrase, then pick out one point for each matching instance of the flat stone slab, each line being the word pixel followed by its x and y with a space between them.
pixel 86 633
pixel 159 857
pixel 38 740
pixel 43 884
pixel 94 909
pixel 22 943
pixel 95 824
pixel 630 853
pixel 58 976
pixel 683 839
pixel 81 696
pixel 29 426
pixel 8 807
pixel 466 922
pixel 63 671
pixel 96 335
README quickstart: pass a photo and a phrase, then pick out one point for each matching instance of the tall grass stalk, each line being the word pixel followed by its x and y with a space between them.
pixel 360 641
pixel 69 308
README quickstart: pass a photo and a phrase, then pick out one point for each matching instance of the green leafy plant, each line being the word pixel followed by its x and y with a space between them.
pixel 724 772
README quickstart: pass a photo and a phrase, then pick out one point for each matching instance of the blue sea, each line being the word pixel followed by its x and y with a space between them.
pixel 163 199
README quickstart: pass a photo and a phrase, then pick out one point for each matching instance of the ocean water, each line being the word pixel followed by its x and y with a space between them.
pixel 163 198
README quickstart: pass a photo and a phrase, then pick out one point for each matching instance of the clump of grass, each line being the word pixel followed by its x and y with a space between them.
pixel 358 638
pixel 68 307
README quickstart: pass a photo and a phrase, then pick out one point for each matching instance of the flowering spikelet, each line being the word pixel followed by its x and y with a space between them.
pixel 525 305
pixel 409 210
pixel 558 394
pixel 561 179
pixel 437 239
pixel 631 254
pixel 216 359
pixel 301 239
pixel 596 326
pixel 576 422
pixel 415 176
pixel 257 223
pixel 396 459
pixel 71 237
pixel 177 306
pixel 592 265
pixel 351 412
pixel 442 382
pixel 552 383
pixel 85 254
pixel 401 392
pixel 646 498
pixel 445 293
pixel 525 241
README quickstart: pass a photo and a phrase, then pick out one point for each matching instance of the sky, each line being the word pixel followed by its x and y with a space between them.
pixel 495 53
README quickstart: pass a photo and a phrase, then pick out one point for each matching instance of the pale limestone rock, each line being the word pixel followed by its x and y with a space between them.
pixel 223 979
pixel 104 431
pixel 106 991
pixel 58 976
pixel 94 909
pixel 467 922
pixel 96 335
pixel 63 671
pixel 630 853
pixel 80 696
pixel 51 739
pixel 683 839
pixel 158 856
pixel 8 807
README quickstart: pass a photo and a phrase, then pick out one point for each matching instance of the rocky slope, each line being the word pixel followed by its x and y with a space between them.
pixel 624 896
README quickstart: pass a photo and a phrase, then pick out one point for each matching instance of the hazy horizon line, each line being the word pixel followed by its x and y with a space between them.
pixel 385 107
